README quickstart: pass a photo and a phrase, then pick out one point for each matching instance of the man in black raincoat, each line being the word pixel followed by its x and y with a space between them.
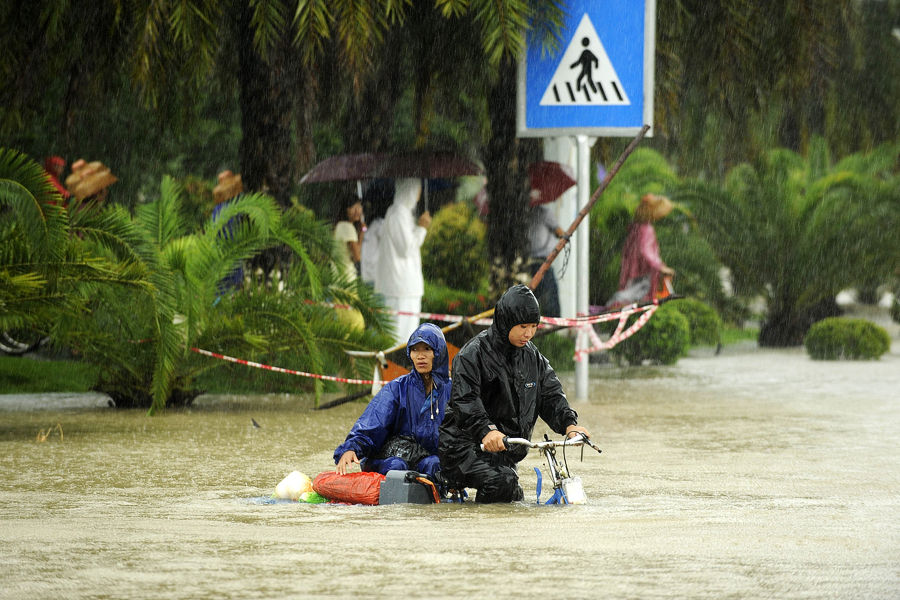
pixel 501 385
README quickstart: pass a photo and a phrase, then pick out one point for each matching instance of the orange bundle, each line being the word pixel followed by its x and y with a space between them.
pixel 353 488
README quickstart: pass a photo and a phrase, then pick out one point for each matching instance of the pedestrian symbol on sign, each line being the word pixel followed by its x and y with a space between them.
pixel 585 76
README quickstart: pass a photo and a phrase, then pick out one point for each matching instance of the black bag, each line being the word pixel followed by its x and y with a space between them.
pixel 403 447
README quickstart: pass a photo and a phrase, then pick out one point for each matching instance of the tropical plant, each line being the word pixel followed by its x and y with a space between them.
pixel 796 230
pixel 144 342
pixel 45 271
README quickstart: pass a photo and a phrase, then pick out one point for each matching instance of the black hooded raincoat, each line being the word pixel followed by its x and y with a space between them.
pixel 499 386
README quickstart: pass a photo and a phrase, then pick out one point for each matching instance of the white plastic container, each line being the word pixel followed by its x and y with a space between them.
pixel 573 490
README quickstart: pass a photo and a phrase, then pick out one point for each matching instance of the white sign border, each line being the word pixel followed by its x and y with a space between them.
pixel 522 130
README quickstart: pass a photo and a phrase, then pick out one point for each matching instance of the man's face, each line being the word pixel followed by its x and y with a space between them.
pixel 522 333
pixel 422 357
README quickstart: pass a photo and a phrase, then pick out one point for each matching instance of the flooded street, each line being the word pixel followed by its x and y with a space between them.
pixel 753 474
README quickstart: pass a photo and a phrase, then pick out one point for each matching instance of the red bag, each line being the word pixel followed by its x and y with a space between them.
pixel 353 488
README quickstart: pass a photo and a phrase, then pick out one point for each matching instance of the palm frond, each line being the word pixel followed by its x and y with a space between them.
pixel 34 202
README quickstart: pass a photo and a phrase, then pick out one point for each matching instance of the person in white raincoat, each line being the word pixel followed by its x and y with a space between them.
pixel 399 275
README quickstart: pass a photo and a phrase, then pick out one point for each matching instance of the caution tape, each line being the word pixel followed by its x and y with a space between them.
pixel 257 365
pixel 422 315
pixel 619 335
pixel 583 324
pixel 554 321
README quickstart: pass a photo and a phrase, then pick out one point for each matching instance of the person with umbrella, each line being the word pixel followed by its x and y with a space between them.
pixel 548 180
pixel 399 277
pixel 349 232
pixel 543 233
pixel 376 201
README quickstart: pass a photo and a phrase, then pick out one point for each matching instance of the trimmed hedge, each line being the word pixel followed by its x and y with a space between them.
pixel 662 340
pixel 454 253
pixel 837 338
pixel 704 321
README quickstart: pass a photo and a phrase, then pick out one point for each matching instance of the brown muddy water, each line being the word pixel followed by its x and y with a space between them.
pixel 753 474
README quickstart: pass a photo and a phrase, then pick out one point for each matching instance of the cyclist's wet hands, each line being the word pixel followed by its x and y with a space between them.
pixel 493 442
pixel 571 430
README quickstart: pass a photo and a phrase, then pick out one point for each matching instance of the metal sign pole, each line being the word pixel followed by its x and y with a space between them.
pixel 584 190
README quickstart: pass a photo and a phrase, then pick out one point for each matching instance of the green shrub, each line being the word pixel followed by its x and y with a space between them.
pixel 662 339
pixel 842 337
pixel 706 326
pixel 445 300
pixel 454 252
pixel 558 349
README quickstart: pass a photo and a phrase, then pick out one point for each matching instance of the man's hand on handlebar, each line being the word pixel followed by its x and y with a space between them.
pixel 493 442
pixel 571 430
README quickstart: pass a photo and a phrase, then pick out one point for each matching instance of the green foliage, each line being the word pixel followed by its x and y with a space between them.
pixel 662 339
pixel 454 253
pixel 733 335
pixel 445 300
pixel 705 324
pixel 796 230
pixel 45 271
pixel 846 338
pixel 143 340
pixel 558 349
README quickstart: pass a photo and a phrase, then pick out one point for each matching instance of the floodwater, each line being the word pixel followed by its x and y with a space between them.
pixel 752 474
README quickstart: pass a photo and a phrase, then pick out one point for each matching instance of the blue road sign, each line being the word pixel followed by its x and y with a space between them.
pixel 600 80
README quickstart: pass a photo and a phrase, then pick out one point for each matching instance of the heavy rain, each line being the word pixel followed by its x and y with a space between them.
pixel 224 226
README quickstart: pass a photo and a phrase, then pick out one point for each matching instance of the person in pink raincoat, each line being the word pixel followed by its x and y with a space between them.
pixel 642 265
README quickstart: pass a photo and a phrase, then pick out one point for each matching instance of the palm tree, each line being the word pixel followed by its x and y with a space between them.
pixel 44 272
pixel 143 341
pixel 796 230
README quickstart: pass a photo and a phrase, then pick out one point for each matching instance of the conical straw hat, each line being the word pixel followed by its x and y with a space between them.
pixel 88 179
pixel 229 186
pixel 94 183
pixel 653 207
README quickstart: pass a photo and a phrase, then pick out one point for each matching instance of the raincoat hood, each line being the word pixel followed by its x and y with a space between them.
pixel 517 305
pixel 434 337
pixel 407 192
pixel 399 270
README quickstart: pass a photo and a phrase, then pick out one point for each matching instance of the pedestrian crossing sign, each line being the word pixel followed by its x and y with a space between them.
pixel 600 80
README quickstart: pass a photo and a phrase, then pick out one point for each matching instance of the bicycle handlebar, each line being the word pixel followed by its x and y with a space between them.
pixel 578 440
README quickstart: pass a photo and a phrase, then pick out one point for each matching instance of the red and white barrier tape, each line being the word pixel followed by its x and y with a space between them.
pixel 558 321
pixel 257 365
pixel 584 324
pixel 618 335
pixel 422 315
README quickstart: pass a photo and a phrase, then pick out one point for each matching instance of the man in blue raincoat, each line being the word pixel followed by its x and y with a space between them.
pixel 398 430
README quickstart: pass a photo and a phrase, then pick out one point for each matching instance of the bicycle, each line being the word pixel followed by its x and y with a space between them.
pixel 566 489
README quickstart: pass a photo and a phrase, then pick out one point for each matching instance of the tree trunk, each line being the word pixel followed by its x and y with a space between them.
pixel 786 326
pixel 506 161
pixel 372 118
pixel 267 103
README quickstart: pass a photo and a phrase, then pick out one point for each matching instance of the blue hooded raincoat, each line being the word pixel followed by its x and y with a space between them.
pixel 401 408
